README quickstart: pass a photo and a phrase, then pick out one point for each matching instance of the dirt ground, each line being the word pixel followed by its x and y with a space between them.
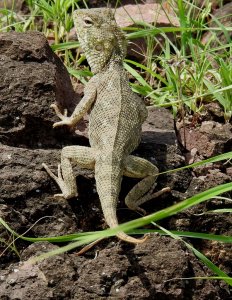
pixel 31 79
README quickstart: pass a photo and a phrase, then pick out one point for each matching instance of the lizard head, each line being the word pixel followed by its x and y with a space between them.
pixel 100 37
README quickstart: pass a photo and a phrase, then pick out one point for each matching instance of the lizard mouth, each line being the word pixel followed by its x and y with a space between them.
pixel 99 37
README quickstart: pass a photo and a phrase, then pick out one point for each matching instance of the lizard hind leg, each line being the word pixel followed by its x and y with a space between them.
pixel 142 192
pixel 66 179
pixel 59 180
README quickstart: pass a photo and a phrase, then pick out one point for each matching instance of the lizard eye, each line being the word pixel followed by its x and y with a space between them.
pixel 88 22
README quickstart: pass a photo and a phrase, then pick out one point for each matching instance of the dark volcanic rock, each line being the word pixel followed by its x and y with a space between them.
pixel 159 145
pixel 32 78
pixel 153 270
pixel 22 171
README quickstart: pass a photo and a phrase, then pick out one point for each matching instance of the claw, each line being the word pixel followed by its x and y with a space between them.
pixel 67 194
pixel 50 172
pixel 167 189
pixel 151 196
pixel 58 112
pixel 58 179
pixel 59 172
pixel 141 210
pixel 53 105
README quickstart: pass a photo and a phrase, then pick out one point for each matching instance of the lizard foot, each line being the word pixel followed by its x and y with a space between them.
pixel 149 196
pixel 138 209
pixel 58 112
pixel 61 183
pixel 65 120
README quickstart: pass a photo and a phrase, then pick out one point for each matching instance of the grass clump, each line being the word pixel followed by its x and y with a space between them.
pixel 184 76
pixel 187 73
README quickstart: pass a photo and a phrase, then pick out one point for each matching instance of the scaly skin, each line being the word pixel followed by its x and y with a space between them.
pixel 115 122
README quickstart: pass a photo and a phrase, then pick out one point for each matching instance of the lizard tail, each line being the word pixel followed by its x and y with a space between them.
pixel 111 219
pixel 123 236
pixel 108 187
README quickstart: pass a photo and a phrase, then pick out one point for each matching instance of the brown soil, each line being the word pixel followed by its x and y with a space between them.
pixel 32 78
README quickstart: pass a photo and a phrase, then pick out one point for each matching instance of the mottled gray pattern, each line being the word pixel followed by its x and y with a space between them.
pixel 115 122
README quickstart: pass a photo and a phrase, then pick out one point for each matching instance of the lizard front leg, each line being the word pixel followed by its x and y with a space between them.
pixel 82 107
pixel 138 167
pixel 83 157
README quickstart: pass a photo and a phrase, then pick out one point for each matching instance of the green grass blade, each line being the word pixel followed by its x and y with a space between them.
pixel 155 75
pixel 224 156
pixel 136 75
pixel 76 236
pixel 219 211
pixel 187 234
pixel 65 46
pixel 44 6
pixel 210 265
pixel 55 239
pixel 174 209
pixel 154 31
pixel 164 213
pixel 201 256
pixel 80 73
pixel 60 250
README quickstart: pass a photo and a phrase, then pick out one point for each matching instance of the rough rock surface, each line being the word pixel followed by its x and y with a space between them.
pixel 148 271
pixel 32 77
pixel 212 138
pixel 152 13
pixel 9 4
pixel 27 205
pixel 23 166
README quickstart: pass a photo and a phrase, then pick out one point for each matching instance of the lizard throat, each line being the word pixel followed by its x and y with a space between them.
pixel 99 62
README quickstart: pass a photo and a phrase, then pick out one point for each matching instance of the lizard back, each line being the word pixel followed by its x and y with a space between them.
pixel 117 115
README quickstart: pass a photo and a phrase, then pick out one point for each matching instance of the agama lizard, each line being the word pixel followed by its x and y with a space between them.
pixel 115 122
